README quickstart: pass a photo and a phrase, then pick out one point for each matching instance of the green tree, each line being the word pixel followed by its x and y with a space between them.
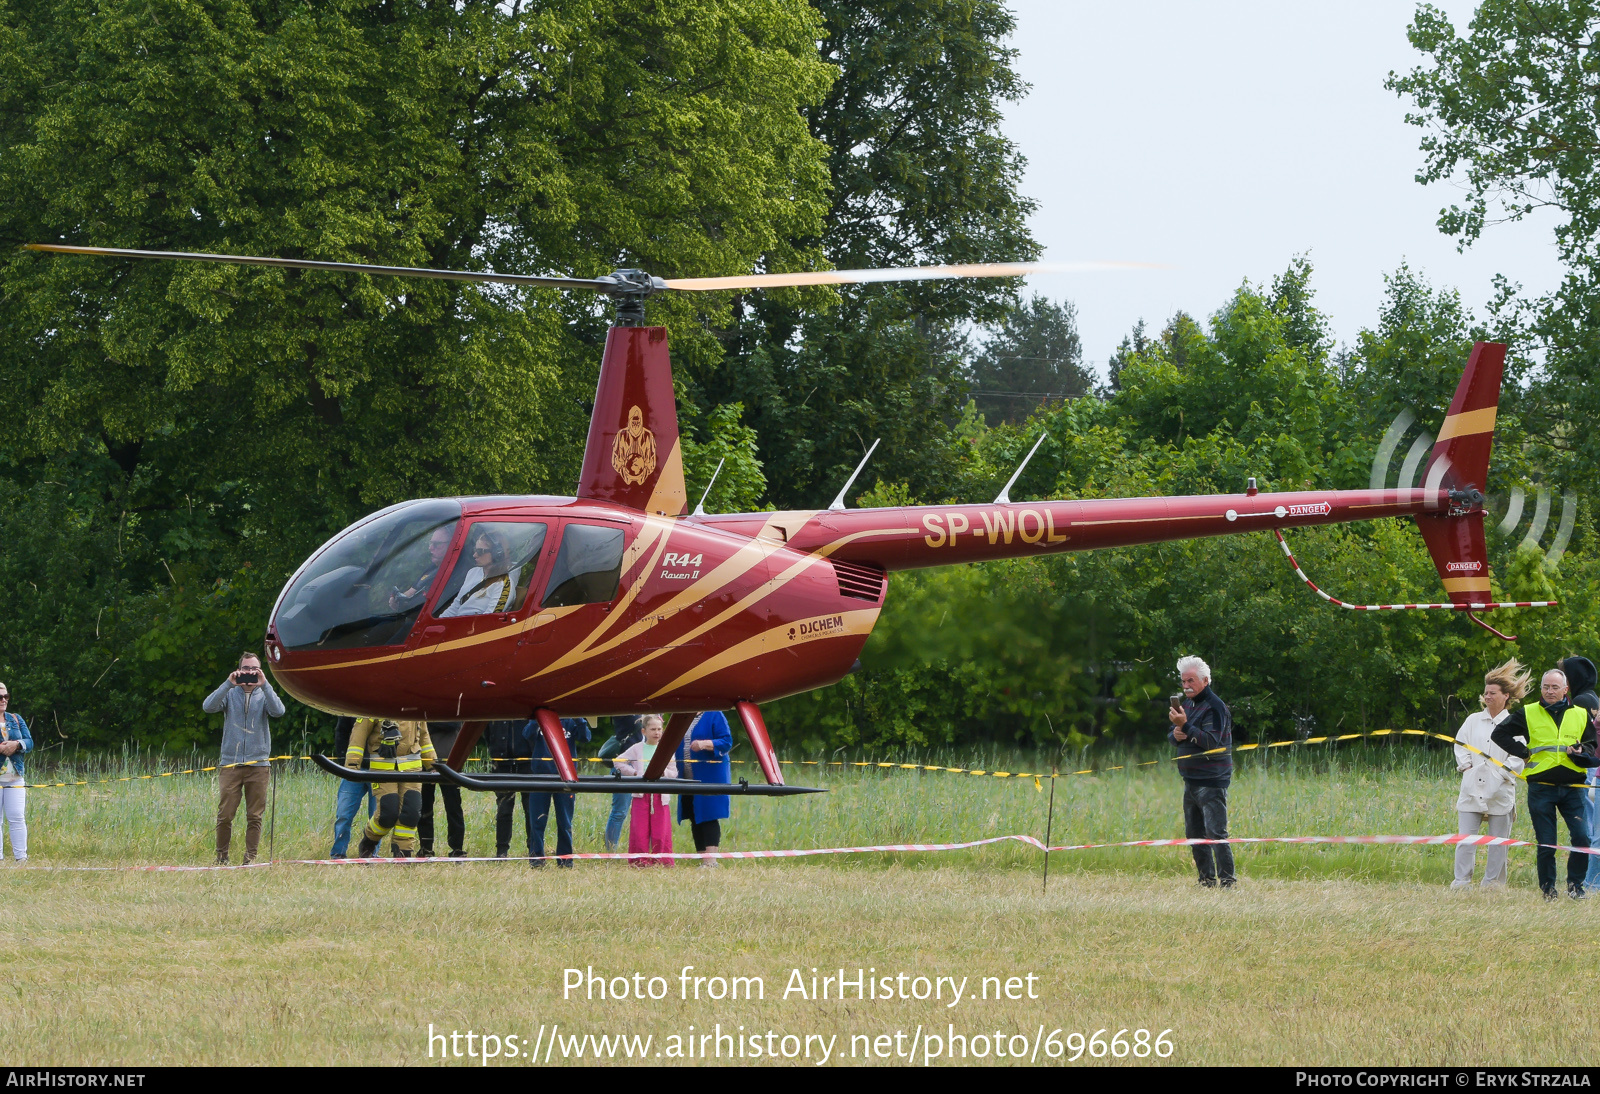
pixel 1033 356
pixel 202 416
pixel 921 173
pixel 724 463
pixel 1509 113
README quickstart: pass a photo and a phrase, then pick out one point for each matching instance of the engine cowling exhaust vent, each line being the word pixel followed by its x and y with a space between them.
pixel 859 581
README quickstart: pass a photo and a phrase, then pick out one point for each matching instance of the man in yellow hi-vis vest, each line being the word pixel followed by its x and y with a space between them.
pixel 392 746
pixel 1551 736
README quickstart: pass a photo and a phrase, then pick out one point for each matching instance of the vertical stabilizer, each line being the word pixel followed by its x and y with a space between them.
pixel 1460 461
pixel 633 457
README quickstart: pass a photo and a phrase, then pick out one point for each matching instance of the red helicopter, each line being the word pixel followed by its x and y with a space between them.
pixel 621 600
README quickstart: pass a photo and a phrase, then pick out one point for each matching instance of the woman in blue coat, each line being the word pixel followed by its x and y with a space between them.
pixel 703 756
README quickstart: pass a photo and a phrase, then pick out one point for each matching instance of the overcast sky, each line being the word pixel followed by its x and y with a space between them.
pixel 1225 137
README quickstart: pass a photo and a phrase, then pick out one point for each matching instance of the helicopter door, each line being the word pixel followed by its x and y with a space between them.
pixel 573 611
pixel 471 626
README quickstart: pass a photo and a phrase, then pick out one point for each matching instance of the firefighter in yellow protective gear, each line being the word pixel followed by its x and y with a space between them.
pixel 392 746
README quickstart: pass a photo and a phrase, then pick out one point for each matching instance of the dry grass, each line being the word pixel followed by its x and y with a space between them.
pixel 349 965
pixel 1324 955
pixel 1381 790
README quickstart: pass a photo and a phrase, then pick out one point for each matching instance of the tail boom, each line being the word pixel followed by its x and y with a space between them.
pixel 943 535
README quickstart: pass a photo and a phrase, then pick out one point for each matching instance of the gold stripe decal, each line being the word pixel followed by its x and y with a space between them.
pixel 1466 584
pixel 766 588
pixel 1467 423
pixel 750 555
pixel 541 619
pixel 669 498
pixel 782 637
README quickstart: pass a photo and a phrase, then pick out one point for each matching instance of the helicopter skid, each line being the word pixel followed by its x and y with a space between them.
pixel 598 784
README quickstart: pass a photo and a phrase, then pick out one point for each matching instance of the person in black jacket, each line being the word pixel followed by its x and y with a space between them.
pixel 444 736
pixel 509 754
pixel 1557 748
pixel 1582 679
pixel 626 731
pixel 539 803
pixel 1202 730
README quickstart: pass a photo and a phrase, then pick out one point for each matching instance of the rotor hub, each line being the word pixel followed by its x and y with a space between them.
pixel 630 290
pixel 1465 501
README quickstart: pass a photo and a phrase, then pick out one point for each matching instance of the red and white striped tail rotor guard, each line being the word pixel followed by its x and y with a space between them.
pixel 1469 608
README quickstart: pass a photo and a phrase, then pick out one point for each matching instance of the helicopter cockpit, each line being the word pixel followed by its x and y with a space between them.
pixel 369 583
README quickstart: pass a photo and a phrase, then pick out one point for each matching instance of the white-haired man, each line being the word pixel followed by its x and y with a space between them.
pixel 1551 736
pixel 1202 730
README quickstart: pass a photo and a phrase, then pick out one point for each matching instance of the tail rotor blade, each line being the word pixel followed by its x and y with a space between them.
pixel 1513 511
pixel 1391 441
pixel 1414 458
pixel 1569 518
pixel 1541 517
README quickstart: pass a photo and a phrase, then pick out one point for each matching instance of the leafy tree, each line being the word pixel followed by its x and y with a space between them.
pixel 737 485
pixel 1033 356
pixel 1253 375
pixel 1509 112
pixel 1133 344
pixel 201 417
pixel 921 173
pixel 1411 359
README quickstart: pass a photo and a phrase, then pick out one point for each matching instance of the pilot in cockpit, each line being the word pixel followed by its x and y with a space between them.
pixel 438 547
pixel 488 585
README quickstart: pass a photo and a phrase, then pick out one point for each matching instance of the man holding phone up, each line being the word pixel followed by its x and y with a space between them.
pixel 1202 730
pixel 246 701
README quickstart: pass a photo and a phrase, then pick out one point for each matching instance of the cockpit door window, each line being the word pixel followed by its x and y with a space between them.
pixel 495 570
pixel 368 585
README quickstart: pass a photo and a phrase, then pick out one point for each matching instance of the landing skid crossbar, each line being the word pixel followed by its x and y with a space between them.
pixel 362 775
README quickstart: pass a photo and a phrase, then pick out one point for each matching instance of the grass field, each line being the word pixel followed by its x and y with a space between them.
pixel 1323 955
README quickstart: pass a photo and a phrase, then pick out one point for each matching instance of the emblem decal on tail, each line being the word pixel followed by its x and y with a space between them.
pixel 633 453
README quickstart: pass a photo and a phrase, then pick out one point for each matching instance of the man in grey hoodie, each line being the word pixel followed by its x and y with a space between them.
pixel 246 701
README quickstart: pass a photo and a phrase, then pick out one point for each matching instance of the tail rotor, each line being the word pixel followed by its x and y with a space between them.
pixel 1454 478
pixel 1543 506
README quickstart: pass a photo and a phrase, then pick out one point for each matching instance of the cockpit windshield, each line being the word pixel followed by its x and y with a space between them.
pixel 368 586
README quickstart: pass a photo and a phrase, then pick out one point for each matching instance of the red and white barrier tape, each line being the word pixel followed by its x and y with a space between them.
pixel 1432 841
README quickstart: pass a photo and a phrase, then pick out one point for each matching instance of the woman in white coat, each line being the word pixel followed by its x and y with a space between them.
pixel 1488 790
pixel 488 586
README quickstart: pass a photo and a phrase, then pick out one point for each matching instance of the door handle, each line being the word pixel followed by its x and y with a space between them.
pixel 540 630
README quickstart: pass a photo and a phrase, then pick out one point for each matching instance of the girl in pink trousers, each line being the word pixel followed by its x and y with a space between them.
pixel 650 832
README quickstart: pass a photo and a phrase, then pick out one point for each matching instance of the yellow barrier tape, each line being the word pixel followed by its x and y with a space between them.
pixel 1034 775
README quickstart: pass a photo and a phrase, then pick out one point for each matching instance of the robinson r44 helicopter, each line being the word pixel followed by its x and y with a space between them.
pixel 620 600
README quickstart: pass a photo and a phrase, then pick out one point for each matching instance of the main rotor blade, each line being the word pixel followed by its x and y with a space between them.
pixel 909 273
pixel 592 284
